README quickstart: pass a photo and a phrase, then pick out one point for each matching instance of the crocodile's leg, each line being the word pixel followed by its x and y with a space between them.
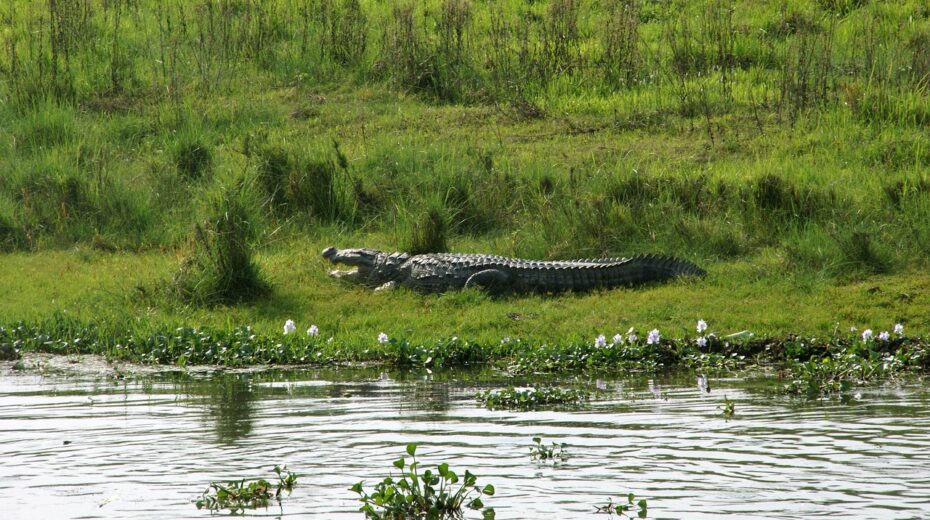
pixel 491 280
pixel 384 287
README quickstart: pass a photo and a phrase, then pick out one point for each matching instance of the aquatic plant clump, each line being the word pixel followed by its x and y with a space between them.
pixel 530 398
pixel 554 452
pixel 428 495
pixel 625 510
pixel 239 495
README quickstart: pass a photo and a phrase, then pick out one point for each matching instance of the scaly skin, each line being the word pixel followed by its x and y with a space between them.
pixel 439 272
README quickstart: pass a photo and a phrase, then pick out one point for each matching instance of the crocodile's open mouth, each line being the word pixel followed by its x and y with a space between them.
pixel 360 261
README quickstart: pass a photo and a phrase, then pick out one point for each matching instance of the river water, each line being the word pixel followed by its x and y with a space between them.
pixel 82 446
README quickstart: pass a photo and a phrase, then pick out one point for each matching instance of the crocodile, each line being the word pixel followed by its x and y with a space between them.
pixel 440 272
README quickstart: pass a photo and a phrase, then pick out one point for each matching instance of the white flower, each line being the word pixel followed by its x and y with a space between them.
pixel 289 326
pixel 701 342
pixel 631 335
pixel 618 339
pixel 884 336
pixel 313 330
pixel 505 340
pixel 899 329
pixel 654 337
pixel 600 341
pixel 852 329
pixel 383 338
pixel 867 335
pixel 701 326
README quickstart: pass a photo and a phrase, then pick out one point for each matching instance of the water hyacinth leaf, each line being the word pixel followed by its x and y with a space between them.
pixel 443 469
pixel 399 463
pixel 476 503
pixel 411 449
pixel 488 490
pixel 357 487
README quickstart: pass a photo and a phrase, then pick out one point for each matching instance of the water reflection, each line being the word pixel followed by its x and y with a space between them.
pixel 139 448
pixel 230 404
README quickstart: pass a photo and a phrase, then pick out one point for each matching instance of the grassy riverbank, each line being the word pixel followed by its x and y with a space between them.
pixel 783 148
pixel 126 290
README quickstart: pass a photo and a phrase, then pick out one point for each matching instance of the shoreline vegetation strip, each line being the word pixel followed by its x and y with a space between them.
pixel 811 366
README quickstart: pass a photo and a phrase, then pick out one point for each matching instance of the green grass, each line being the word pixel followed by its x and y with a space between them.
pixel 761 296
pixel 782 147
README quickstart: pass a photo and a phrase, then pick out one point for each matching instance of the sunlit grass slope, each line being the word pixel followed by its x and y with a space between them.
pixel 783 146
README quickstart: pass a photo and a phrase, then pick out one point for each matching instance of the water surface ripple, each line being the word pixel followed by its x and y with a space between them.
pixel 84 447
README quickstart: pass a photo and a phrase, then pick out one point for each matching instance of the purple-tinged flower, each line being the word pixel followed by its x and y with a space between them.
pixel 884 336
pixel 289 326
pixel 313 330
pixel 701 342
pixel 899 329
pixel 618 339
pixel 867 335
pixel 631 336
pixel 383 338
pixel 600 341
pixel 701 326
pixel 654 337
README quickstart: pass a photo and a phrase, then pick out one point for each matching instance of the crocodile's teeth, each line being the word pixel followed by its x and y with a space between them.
pixel 344 273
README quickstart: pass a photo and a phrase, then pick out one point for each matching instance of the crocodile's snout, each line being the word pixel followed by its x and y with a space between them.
pixel 329 253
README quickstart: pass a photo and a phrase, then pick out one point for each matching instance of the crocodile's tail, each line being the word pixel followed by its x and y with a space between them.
pixel 644 269
pixel 659 267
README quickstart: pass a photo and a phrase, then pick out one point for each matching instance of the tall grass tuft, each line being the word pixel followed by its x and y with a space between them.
pixel 193 159
pixel 426 231
pixel 861 251
pixel 621 57
pixel 807 78
pixel 219 267
pixel 345 30
pixel 308 184
pixel 561 39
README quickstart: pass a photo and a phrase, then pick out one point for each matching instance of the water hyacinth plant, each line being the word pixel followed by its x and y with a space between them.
pixel 239 495
pixel 289 327
pixel 625 509
pixel 701 326
pixel 555 452
pixel 728 408
pixel 313 330
pixel 428 495
pixel 531 398
pixel 654 337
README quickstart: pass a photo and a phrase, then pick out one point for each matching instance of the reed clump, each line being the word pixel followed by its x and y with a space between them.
pixel 219 267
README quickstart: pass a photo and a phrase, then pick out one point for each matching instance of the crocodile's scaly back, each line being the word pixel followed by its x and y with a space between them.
pixel 588 274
